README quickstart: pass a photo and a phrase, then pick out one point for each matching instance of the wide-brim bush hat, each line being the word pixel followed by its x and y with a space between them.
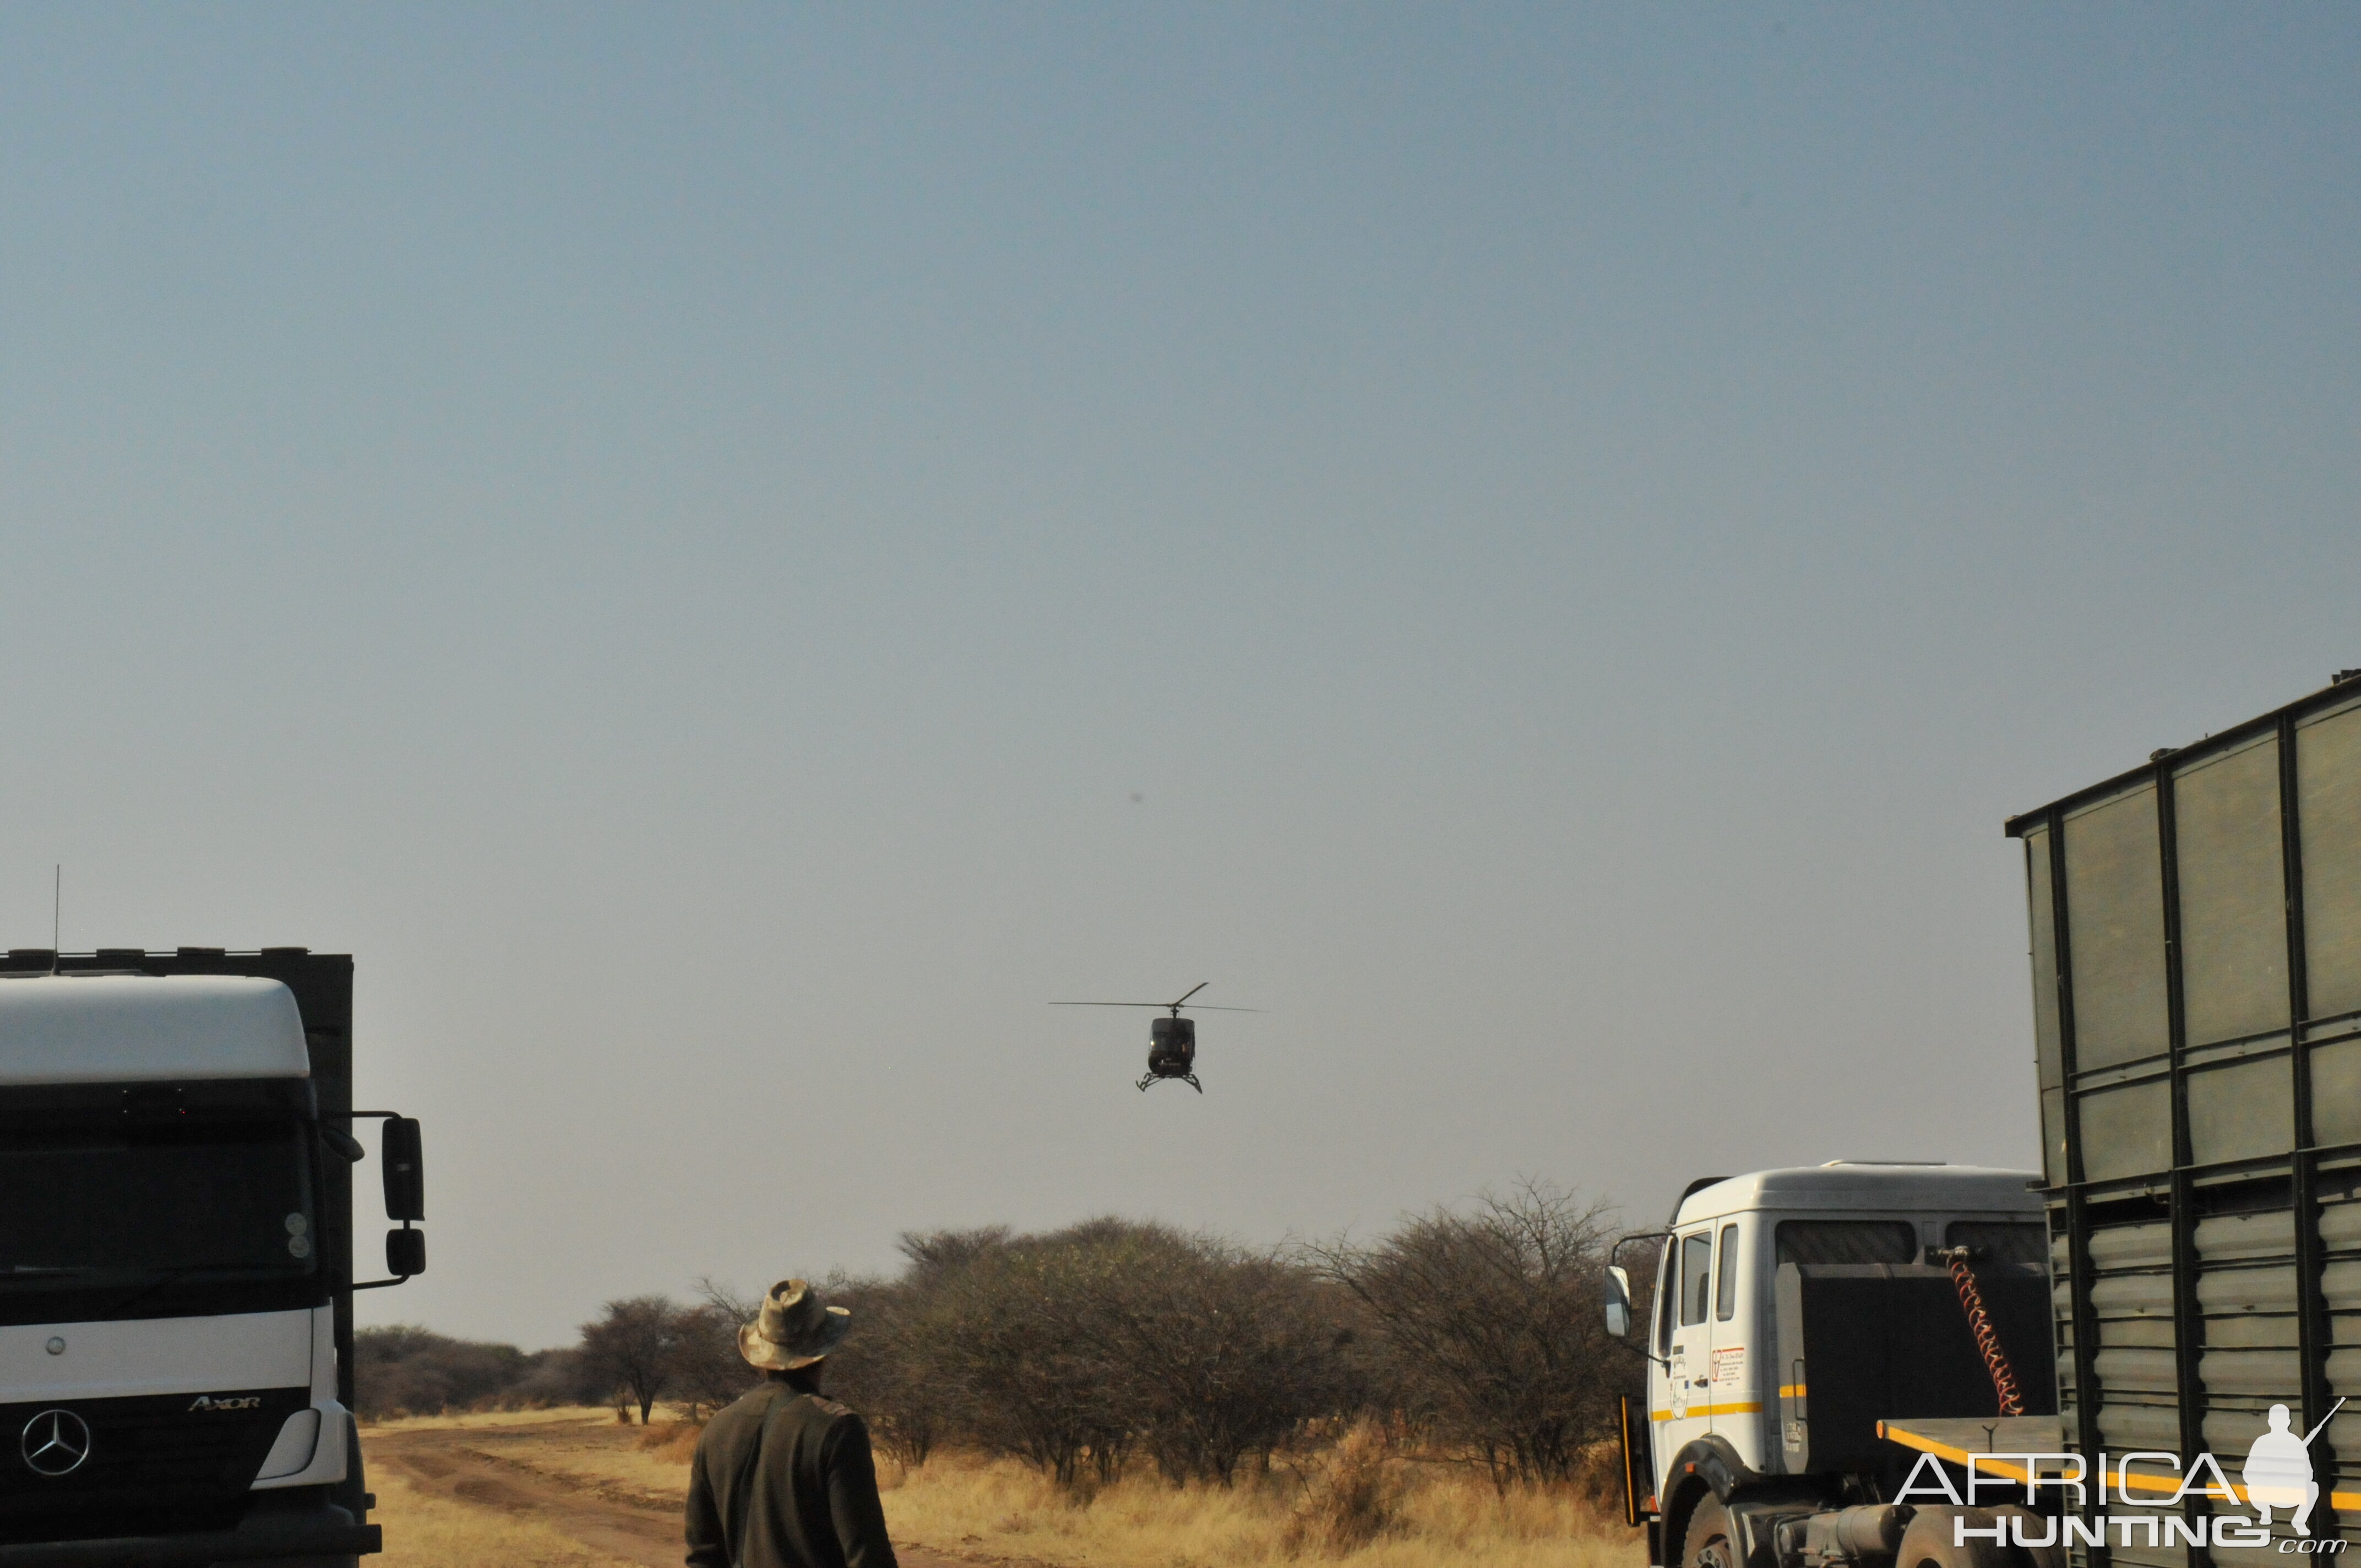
pixel 794 1329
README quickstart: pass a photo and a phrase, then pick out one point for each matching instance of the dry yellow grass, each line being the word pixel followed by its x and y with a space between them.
pixel 428 1532
pixel 994 1507
pixel 1358 1503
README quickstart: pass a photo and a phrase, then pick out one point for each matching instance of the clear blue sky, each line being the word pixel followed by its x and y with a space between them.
pixel 676 535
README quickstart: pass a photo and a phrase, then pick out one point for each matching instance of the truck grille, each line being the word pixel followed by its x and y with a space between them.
pixel 163 1462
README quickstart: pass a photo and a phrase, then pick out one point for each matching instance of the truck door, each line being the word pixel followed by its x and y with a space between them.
pixel 1688 1412
pixel 1738 1355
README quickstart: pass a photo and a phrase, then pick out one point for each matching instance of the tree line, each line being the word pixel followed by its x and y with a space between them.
pixel 1476 1331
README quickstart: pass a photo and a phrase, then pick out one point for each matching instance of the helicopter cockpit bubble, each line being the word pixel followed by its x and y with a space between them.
pixel 1171 1046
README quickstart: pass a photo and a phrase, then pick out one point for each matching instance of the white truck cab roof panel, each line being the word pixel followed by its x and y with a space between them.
pixel 1862 1185
pixel 115 1028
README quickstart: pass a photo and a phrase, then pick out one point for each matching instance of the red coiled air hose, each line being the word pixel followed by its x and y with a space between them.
pixel 1971 1301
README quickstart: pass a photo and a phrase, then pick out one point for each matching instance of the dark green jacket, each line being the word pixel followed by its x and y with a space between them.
pixel 783 1479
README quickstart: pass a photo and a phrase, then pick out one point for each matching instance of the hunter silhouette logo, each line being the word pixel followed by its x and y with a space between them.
pixel 207 1402
pixel 2279 1471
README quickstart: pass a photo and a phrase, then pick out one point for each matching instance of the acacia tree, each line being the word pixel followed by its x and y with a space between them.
pixel 1110 1337
pixel 632 1348
pixel 707 1372
pixel 1494 1321
pixel 1000 1329
pixel 1218 1352
pixel 407 1370
pixel 887 1367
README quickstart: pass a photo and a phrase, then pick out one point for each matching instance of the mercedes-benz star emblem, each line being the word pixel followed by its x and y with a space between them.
pixel 56 1442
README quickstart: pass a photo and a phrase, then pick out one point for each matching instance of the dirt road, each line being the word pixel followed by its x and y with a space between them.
pixel 506 1468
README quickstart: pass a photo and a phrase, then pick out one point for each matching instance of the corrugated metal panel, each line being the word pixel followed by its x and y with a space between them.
pixel 2337 1091
pixel 2124 1427
pixel 2246 1238
pixel 2140 1372
pixel 2341 1283
pixel 2242 1111
pixel 2131 1246
pixel 2196 927
pixel 2340 1226
pixel 2115 914
pixel 2233 952
pixel 2247 1290
pixel 2328 797
pixel 2266 1373
pixel 2127 1130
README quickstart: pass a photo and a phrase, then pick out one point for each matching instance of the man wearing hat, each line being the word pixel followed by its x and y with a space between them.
pixel 784 1477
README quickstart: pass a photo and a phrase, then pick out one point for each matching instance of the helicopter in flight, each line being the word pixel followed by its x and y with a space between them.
pixel 1172 1041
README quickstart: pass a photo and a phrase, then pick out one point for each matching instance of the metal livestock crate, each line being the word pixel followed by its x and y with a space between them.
pixel 2196 927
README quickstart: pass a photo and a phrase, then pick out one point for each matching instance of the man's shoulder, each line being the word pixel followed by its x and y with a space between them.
pixel 823 1421
pixel 746 1411
pixel 820 1409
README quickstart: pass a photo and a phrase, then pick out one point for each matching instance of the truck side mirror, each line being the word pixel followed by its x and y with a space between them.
pixel 405 1252
pixel 1619 1303
pixel 405 1171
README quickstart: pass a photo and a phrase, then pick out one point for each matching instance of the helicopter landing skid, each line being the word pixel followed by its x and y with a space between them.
pixel 1188 1078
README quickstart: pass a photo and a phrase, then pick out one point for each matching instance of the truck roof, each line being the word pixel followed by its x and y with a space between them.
pixel 2339 692
pixel 1864 1184
pixel 104 1029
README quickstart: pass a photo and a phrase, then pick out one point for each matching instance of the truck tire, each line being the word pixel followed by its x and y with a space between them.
pixel 1705 1541
pixel 1928 1543
pixel 2033 1528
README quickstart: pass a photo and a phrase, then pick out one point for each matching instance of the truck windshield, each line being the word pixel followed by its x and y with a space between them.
pixel 1847 1241
pixel 115 1205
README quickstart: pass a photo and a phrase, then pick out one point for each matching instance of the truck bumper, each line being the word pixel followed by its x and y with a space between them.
pixel 229 1546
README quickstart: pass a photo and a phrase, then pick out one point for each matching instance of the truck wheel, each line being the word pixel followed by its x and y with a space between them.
pixel 1928 1543
pixel 2034 1529
pixel 1705 1542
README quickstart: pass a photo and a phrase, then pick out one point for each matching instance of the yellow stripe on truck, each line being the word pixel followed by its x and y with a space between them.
pixel 1792 1391
pixel 1736 1407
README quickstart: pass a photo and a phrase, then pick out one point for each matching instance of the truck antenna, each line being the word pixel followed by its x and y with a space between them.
pixel 57 911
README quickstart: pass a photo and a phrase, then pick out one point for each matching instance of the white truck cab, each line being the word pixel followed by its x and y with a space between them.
pixel 175 1274
pixel 1794 1309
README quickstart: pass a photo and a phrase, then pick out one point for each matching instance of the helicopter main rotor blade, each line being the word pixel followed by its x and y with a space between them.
pixel 1163 1006
pixel 1193 991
